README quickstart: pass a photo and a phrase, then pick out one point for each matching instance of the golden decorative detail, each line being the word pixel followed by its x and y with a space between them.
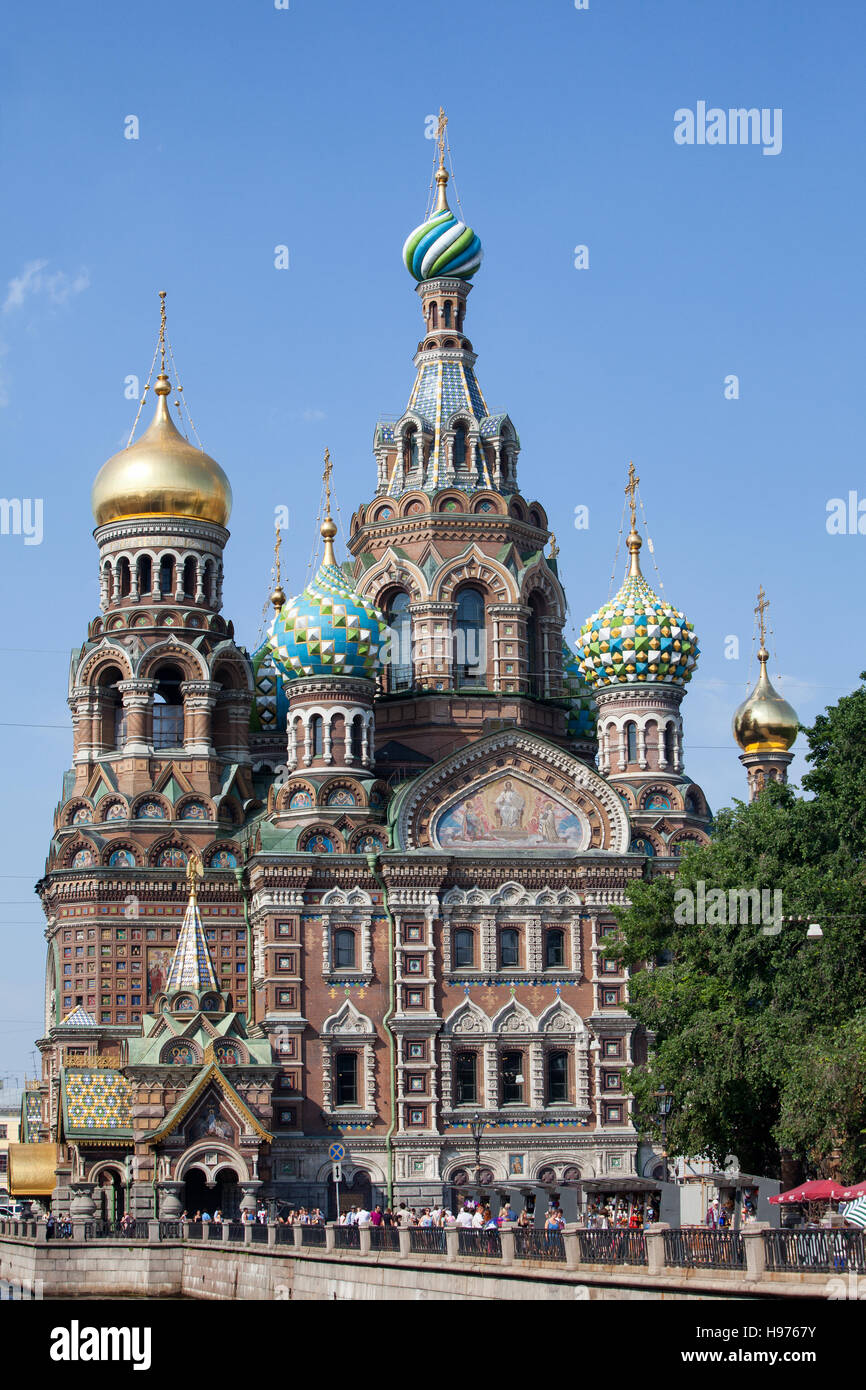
pixel 441 172
pixel 328 528
pixel 194 871
pixel 765 722
pixel 554 548
pixel 278 594
pixel 633 540
pixel 211 1073
pixel 31 1169
pixel 161 474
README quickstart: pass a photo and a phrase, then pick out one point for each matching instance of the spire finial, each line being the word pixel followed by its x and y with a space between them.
pixel 441 172
pixel 554 548
pixel 278 594
pixel 329 527
pixel 194 872
pixel 760 609
pixel 634 541
pixel 163 385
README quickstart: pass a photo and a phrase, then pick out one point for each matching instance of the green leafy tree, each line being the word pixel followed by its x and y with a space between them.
pixel 761 1037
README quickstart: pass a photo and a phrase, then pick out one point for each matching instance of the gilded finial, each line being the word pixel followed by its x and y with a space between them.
pixel 194 871
pixel 441 172
pixel 163 385
pixel 278 595
pixel 554 548
pixel 760 609
pixel 329 526
pixel 634 541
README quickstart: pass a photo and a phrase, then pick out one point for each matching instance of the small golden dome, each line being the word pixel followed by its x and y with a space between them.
pixel 765 723
pixel 161 474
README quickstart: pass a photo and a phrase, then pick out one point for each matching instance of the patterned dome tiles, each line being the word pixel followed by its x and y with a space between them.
pixel 637 636
pixel 328 630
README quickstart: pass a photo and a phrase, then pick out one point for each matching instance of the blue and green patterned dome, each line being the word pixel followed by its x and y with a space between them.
pixel 443 245
pixel 270 705
pixel 328 630
pixel 582 711
pixel 637 636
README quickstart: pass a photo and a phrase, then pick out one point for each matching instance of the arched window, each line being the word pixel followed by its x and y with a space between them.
pixel 355 738
pixel 109 581
pixel 557 1078
pixel 631 741
pixel 168 709
pixel 512 1076
pixel 554 948
pixel 434 315
pixel 166 575
pixel 460 446
pixel 189 577
pixel 344 949
pixel 410 448
pixel 463 949
pixel 400 645
pixel 509 947
pixel 470 653
pixel 317 729
pixel 466 1078
pixel 346 1078
pixel 447 313
pixel 113 723
pixel 669 744
pixel 124 575
pixel 145 574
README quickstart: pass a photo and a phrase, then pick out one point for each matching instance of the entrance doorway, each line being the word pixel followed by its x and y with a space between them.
pixel 223 1196
pixel 111 1198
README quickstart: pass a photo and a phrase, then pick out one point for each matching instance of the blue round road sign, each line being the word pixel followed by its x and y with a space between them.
pixel 336 1152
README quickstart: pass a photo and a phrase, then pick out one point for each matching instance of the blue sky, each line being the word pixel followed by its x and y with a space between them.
pixel 305 127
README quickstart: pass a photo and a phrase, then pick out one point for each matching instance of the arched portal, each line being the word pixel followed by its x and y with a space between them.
pixel 222 1194
pixel 110 1196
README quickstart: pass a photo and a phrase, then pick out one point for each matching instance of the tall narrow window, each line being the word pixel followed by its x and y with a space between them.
pixel 470 652
pixel 189 577
pixel 125 576
pixel 460 446
pixel 166 575
pixel 465 1079
pixel 145 574
pixel 346 1078
pixel 464 949
pixel 631 741
pixel 400 643
pixel 355 742
pixel 344 949
pixel 534 644
pixel 512 1078
pixel 509 947
pixel 554 948
pixel 557 1078
pixel 317 736
pixel 447 313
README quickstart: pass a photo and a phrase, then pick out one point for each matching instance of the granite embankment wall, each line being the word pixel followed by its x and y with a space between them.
pixel 62 1269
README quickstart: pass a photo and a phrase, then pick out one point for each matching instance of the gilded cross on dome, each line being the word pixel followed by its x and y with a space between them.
pixel 760 609
pixel 440 135
pixel 194 871
pixel 630 490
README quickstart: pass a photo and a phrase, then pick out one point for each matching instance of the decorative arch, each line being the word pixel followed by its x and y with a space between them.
pixel 222 855
pixel 121 854
pixel 108 653
pixel 467 1020
pixel 474 567
pixel 348 1022
pixel 148 807
pixel 169 853
pixel 81 854
pixel 192 662
pixel 514 1018
pixel 393 572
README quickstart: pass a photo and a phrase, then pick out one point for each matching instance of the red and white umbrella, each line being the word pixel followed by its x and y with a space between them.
pixel 819 1190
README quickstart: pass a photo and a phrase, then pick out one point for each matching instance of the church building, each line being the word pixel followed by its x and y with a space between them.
pixel 358 885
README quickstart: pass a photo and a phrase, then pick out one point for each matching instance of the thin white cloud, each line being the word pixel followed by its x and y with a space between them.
pixel 312 415
pixel 35 279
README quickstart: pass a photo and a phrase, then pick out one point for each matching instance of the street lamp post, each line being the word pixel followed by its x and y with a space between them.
pixel 665 1101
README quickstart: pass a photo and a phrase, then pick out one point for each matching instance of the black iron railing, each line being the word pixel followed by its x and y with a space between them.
pixel 384 1238
pixel 169 1230
pixel 483 1245
pixel 427 1240
pixel 312 1235
pixel 612 1247
pixel 347 1238
pixel 822 1251
pixel 285 1235
pixel 260 1234
pixel 704 1249
pixel 530 1244
pixel 236 1230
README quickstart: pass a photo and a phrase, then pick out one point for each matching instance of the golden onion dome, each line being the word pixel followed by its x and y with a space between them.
pixel 765 723
pixel 161 474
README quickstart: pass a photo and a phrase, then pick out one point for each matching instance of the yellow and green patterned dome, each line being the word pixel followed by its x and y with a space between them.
pixel 637 636
pixel 328 630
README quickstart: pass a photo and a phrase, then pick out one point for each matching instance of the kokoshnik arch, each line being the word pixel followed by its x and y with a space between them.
pixel 408 923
